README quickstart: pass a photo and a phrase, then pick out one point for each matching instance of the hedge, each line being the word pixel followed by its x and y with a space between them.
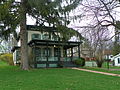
pixel 80 62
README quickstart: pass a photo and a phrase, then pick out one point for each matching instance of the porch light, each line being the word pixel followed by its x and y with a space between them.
pixel 54 46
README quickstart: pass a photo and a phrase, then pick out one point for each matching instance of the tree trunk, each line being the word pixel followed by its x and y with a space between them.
pixel 23 37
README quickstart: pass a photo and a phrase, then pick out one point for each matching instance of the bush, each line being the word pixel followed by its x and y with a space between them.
pixel 80 62
pixel 99 63
pixel 7 58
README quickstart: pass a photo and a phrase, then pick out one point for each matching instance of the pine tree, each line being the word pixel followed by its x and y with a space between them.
pixel 53 12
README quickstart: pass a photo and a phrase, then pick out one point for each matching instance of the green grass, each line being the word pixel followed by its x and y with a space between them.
pixel 12 78
pixel 3 64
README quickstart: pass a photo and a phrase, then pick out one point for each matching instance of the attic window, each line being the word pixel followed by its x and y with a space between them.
pixel 46 37
pixel 36 36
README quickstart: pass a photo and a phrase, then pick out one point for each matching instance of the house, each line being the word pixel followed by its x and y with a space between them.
pixel 86 53
pixel 107 54
pixel 46 48
pixel 116 60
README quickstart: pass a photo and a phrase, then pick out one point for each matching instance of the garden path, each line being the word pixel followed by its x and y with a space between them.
pixel 105 73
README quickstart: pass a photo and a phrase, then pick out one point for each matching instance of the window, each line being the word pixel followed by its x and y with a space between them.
pixel 57 52
pixel 36 36
pixel 37 52
pixel 111 56
pixel 45 52
pixel 46 37
pixel 17 55
pixel 118 60
pixel 55 37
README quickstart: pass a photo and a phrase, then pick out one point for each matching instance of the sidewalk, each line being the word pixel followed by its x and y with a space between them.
pixel 105 73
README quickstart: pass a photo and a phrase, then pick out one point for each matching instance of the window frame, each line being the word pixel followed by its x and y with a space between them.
pixel 34 36
pixel 118 60
pixel 44 54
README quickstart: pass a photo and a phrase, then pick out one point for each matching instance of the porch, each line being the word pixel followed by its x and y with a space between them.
pixel 54 62
pixel 48 53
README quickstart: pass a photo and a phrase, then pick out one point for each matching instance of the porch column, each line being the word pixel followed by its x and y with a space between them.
pixel 47 64
pixel 79 50
pixel 34 53
pixel 65 52
pixel 59 54
pixel 71 53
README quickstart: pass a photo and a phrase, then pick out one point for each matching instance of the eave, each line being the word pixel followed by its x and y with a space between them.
pixel 68 44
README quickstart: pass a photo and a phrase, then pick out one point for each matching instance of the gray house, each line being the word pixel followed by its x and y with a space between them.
pixel 46 48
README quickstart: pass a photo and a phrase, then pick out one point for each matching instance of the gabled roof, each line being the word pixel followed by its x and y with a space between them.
pixel 68 44
pixel 118 55
pixel 14 48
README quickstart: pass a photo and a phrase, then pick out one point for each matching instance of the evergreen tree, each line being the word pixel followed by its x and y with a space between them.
pixel 53 12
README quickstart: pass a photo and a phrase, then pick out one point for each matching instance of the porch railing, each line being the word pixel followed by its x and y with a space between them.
pixel 69 58
pixel 45 58
pixel 56 58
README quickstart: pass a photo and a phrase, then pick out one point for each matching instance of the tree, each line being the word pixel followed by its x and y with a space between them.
pixel 96 42
pixel 23 37
pixel 116 46
pixel 8 14
pixel 102 13
pixel 53 12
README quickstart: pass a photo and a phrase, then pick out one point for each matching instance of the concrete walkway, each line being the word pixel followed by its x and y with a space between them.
pixel 105 73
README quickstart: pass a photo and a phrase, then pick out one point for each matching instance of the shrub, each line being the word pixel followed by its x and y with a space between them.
pixel 7 58
pixel 80 62
pixel 99 63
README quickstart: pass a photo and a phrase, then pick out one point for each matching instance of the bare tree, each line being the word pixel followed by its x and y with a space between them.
pixel 99 16
pixel 97 41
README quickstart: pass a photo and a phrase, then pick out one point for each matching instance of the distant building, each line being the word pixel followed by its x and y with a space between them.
pixel 116 60
pixel 107 54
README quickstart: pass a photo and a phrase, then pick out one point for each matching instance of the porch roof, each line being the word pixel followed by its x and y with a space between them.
pixel 14 48
pixel 68 44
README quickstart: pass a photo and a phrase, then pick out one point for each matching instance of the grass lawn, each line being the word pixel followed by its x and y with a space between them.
pixel 12 78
